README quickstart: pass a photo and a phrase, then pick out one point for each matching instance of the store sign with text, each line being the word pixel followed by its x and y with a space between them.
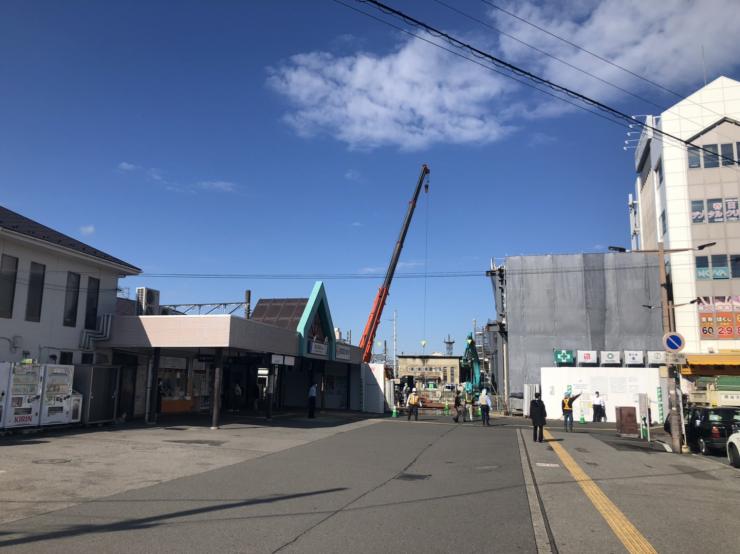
pixel 343 352
pixel 318 348
pixel 719 317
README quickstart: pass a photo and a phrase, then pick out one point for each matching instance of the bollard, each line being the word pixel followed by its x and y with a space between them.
pixel 395 411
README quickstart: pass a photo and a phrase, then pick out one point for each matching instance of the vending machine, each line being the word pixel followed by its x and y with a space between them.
pixel 56 399
pixel 4 380
pixel 23 405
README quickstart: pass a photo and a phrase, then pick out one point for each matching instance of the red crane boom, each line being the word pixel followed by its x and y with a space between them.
pixel 371 327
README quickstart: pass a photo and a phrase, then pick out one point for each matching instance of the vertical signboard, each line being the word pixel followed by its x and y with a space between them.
pixel 715 210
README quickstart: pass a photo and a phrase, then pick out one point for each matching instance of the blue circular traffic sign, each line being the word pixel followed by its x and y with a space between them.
pixel 674 342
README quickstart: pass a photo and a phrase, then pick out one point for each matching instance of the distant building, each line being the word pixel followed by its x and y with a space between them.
pixel 688 196
pixel 54 292
pixel 436 368
pixel 587 304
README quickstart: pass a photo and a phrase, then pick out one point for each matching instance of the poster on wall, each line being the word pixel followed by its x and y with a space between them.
pixel 732 211
pixel 697 211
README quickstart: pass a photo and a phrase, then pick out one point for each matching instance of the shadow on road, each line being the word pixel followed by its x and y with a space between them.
pixel 152 521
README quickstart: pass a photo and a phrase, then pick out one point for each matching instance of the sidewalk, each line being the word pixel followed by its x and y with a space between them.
pixel 55 468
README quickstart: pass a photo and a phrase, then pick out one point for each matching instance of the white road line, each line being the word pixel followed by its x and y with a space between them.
pixel 538 520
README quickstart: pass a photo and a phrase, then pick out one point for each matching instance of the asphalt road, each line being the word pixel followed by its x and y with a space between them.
pixel 390 486
pixel 397 486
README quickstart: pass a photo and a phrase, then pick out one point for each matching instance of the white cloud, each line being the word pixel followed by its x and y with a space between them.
pixel 125 166
pixel 659 40
pixel 372 269
pixel 221 186
pixel 356 224
pixel 352 175
pixel 87 230
pixel 412 98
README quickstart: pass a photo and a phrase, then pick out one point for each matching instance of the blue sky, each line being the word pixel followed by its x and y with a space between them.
pixel 286 137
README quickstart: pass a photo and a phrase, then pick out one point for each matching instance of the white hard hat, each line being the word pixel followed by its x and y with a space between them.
pixel 413 390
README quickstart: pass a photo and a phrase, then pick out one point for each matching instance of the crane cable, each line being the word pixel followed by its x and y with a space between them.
pixel 426 258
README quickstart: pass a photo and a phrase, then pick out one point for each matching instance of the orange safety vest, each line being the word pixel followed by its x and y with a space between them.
pixel 566 404
pixel 413 399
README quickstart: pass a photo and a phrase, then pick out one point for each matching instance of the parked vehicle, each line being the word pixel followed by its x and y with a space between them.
pixel 709 428
pixel 733 449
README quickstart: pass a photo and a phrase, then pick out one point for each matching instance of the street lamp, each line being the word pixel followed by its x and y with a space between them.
pixel 676 417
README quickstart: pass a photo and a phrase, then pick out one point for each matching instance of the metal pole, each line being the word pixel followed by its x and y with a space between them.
pixel 506 374
pixel 216 401
pixel 270 389
pixel 676 404
pixel 395 346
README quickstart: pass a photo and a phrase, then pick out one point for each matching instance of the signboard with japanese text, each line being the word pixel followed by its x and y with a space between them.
pixel 715 210
pixel 732 210
pixel 633 357
pixel 343 352
pixel 698 213
pixel 719 317
pixel 656 357
pixel 317 348
pixel 587 357
pixel 611 357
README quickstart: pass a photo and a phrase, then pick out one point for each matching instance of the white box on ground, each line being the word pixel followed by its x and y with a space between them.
pixel 618 386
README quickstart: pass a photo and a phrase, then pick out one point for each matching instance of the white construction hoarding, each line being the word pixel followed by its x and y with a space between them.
pixel 618 386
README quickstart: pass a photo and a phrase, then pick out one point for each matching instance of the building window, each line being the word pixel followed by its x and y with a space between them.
pixel 71 299
pixel 720 269
pixel 644 172
pixel 91 303
pixel 659 171
pixel 702 268
pixel 65 358
pixel 735 265
pixel 727 155
pixel 662 223
pixel 8 275
pixel 732 213
pixel 711 159
pixel 697 211
pixel 35 292
pixel 715 212
pixel 86 358
pixel 694 157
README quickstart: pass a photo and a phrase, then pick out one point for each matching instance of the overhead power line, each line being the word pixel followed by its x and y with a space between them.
pixel 510 68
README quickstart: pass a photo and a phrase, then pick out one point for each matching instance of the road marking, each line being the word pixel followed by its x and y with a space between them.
pixel 541 538
pixel 622 527
pixel 543 464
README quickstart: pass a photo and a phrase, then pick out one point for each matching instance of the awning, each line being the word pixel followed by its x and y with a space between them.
pixel 712 364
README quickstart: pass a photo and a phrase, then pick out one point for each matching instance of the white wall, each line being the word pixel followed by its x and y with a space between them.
pixel 374 388
pixel 49 336
pixel 619 386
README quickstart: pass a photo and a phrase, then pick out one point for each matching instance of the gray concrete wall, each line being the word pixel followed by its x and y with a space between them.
pixel 578 302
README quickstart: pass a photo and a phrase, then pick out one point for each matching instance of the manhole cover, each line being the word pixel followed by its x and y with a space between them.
pixel 195 441
pixel 413 477
pixel 52 461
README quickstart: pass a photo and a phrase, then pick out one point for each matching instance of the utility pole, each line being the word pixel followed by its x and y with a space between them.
pixel 395 345
pixel 673 391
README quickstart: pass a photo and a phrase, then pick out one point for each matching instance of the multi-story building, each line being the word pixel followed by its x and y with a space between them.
pixel 433 368
pixel 53 291
pixel 687 191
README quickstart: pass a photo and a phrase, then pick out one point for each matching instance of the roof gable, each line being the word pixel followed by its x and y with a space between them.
pixel 22 225
pixel 317 307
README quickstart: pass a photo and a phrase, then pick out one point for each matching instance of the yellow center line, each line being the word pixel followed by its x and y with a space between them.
pixel 622 527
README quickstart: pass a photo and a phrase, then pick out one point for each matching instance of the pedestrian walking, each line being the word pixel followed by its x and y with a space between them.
pixel 538 414
pixel 599 408
pixel 567 405
pixel 312 401
pixel 459 408
pixel 413 402
pixel 484 402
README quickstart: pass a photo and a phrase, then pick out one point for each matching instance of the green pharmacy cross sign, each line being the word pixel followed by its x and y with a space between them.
pixel 564 357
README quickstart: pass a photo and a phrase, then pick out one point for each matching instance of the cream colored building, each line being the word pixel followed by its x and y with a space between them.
pixel 687 195
pixel 433 368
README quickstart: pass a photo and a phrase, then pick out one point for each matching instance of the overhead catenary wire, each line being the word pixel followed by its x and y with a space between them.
pixel 509 68
pixel 652 82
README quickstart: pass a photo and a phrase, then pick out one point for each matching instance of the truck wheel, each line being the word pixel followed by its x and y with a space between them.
pixel 733 455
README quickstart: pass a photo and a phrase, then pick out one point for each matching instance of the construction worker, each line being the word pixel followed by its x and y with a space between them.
pixel 459 408
pixel 469 403
pixel 484 402
pixel 413 402
pixel 567 405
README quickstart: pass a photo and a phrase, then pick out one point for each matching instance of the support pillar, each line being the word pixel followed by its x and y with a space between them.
pixel 217 378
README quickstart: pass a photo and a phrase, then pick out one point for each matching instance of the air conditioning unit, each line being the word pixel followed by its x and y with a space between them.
pixel 147 301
